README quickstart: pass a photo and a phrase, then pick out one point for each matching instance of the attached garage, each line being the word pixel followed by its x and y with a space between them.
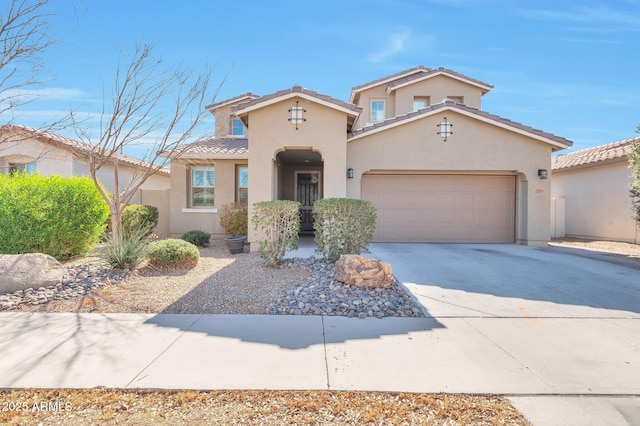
pixel 442 208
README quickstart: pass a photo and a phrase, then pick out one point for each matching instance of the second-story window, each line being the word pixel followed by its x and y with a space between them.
pixel 420 102
pixel 377 111
pixel 237 128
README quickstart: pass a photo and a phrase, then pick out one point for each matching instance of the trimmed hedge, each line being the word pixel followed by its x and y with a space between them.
pixel 173 253
pixel 197 238
pixel 343 226
pixel 61 217
pixel 139 218
pixel 279 223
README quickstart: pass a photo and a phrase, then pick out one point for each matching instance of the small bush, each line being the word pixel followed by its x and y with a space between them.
pixel 173 253
pixel 61 217
pixel 234 220
pixel 343 226
pixel 198 238
pixel 127 253
pixel 279 222
pixel 139 217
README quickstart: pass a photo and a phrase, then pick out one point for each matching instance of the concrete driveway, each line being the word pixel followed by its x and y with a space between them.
pixel 572 321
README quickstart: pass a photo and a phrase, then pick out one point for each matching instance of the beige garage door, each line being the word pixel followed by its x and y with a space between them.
pixel 442 208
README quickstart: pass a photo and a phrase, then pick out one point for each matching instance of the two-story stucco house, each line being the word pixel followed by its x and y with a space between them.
pixel 417 144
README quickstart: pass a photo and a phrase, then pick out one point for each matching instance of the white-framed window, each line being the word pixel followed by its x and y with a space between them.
pixel 377 110
pixel 203 181
pixel 15 168
pixel 421 102
pixel 242 184
pixel 237 127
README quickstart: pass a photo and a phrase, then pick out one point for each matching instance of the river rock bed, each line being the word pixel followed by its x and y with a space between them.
pixel 326 296
pixel 77 280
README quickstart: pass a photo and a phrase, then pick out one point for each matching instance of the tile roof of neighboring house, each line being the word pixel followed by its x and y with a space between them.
pixel 77 147
pixel 616 151
pixel 557 141
pixel 217 148
pixel 435 72
pixel 233 100
pixel 268 99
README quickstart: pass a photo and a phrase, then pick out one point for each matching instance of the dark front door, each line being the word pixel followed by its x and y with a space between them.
pixel 307 192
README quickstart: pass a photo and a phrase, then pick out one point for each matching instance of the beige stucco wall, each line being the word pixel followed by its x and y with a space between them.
pixel 400 101
pixel 597 202
pixel 125 175
pixel 475 147
pixel 49 159
pixel 438 89
pixel 271 132
pixel 183 218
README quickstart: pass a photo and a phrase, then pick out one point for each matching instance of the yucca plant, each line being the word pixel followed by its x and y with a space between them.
pixel 127 252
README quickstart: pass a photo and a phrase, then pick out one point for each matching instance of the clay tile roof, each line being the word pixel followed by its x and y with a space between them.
pixel 419 70
pixel 229 101
pixel 76 147
pixel 616 151
pixel 449 104
pixel 217 147
pixel 430 73
pixel 297 89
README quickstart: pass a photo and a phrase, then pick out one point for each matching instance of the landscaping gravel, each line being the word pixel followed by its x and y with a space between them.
pixel 220 284
pixel 326 296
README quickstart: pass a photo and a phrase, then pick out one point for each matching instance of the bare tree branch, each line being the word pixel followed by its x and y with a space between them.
pixel 149 103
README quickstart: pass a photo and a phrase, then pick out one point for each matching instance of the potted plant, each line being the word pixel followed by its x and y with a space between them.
pixel 234 220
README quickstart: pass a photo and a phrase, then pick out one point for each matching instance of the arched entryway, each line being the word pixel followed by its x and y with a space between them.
pixel 299 177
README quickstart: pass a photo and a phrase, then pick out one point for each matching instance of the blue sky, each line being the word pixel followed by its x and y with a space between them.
pixel 569 68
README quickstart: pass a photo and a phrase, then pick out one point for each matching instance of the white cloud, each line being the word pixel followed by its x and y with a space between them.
pixel 398 42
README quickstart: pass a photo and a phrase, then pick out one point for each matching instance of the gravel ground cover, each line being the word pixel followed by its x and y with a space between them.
pixel 102 407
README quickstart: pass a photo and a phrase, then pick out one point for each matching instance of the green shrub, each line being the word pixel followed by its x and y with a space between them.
pixel 173 253
pixel 128 252
pixel 198 238
pixel 62 217
pixel 139 217
pixel 234 220
pixel 279 223
pixel 634 188
pixel 343 226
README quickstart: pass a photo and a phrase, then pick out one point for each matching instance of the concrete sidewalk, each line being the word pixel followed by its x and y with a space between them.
pixel 518 357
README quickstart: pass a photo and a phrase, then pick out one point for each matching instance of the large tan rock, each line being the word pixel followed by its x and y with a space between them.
pixel 356 270
pixel 32 270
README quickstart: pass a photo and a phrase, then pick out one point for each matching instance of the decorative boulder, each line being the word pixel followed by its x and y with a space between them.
pixel 32 270
pixel 356 270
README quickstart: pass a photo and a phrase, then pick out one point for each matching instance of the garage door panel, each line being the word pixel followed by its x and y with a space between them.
pixel 442 208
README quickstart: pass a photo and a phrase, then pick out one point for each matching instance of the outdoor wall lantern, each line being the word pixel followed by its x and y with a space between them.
pixel 350 173
pixel 445 129
pixel 543 174
pixel 296 114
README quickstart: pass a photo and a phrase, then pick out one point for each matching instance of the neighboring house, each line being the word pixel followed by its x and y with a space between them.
pixel 391 144
pixel 24 148
pixel 590 194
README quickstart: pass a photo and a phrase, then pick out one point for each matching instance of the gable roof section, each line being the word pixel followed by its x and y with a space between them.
pixel 297 91
pixel 610 153
pixel 74 146
pixel 420 69
pixel 238 99
pixel 415 78
pixel 557 142
pixel 216 148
